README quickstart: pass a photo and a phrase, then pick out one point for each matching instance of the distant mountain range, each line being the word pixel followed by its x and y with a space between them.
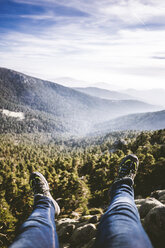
pixel 143 121
pixel 152 96
pixel 104 90
pixel 105 94
pixel 50 107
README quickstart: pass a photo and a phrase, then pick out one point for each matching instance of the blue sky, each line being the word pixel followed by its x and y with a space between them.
pixel 119 42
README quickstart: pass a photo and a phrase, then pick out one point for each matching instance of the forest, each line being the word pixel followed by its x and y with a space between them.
pixel 79 171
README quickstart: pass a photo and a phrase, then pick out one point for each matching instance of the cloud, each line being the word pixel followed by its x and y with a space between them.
pixel 107 15
pixel 35 2
pixel 158 57
pixel 108 12
pixel 116 41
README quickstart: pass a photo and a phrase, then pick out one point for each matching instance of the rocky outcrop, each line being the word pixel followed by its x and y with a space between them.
pixel 160 195
pixel 146 205
pixel 81 231
pixel 83 234
pixel 78 233
pixel 154 224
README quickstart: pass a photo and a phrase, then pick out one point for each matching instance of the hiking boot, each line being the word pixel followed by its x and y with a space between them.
pixel 128 167
pixel 40 187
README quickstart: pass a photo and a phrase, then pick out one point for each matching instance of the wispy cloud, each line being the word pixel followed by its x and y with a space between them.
pixel 158 57
pixel 115 41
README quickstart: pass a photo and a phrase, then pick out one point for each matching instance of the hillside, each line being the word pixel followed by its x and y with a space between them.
pixel 105 94
pixel 143 121
pixel 50 107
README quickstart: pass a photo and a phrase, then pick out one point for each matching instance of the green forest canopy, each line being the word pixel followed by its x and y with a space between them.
pixel 79 172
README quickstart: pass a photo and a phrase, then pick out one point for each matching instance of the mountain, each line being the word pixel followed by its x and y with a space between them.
pixel 143 121
pixel 48 106
pixel 152 96
pixel 105 94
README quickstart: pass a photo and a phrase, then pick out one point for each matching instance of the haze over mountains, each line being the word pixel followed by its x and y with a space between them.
pixel 143 121
pixel 50 107
pixel 152 96
pixel 105 94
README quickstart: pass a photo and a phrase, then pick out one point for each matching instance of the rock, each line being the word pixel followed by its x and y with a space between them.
pixel 85 218
pixel 65 228
pixel 154 224
pixel 90 244
pixel 75 215
pixel 138 206
pixel 139 201
pixel 65 232
pixel 158 193
pixel 162 199
pixel 89 219
pixel 94 219
pixel 64 222
pixel 147 205
pixel 80 231
pixel 83 234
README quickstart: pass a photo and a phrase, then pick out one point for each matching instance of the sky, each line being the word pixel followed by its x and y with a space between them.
pixel 85 42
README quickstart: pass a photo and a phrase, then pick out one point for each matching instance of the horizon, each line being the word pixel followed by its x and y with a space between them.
pixel 76 83
pixel 70 83
pixel 120 43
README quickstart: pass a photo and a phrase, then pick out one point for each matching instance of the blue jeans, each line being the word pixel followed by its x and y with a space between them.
pixel 120 226
pixel 39 229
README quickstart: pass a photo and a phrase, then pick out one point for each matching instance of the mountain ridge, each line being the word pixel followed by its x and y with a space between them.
pixel 152 96
pixel 105 94
pixel 48 103
pixel 141 121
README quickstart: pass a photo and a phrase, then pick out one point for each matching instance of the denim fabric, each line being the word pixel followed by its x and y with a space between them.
pixel 39 229
pixel 120 226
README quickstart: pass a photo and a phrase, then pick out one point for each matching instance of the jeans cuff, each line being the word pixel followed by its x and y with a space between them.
pixel 118 183
pixel 38 198
pixel 125 180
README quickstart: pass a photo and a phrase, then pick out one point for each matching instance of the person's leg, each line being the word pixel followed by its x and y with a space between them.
pixel 39 229
pixel 120 226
